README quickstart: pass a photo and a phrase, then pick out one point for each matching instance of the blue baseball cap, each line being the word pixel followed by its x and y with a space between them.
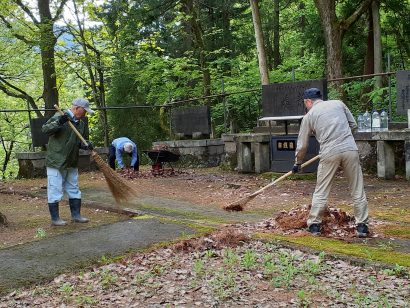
pixel 312 93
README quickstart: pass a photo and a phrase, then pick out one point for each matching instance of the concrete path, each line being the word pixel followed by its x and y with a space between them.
pixel 176 209
pixel 45 259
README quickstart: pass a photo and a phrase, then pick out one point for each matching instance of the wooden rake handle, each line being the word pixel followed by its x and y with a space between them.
pixel 282 177
pixel 72 126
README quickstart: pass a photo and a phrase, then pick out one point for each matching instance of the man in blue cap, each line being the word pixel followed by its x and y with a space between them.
pixel 331 122
pixel 62 160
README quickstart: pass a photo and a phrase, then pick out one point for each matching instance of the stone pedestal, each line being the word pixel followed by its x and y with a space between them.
pixel 252 151
pixel 385 160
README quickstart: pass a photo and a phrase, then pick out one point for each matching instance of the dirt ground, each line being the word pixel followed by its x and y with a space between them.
pixel 272 262
pixel 210 187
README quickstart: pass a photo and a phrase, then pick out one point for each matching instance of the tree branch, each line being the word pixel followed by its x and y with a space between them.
pixel 16 35
pixel 59 10
pixel 5 85
pixel 27 11
pixel 349 21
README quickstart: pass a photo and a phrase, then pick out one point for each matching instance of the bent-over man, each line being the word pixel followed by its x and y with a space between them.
pixel 120 146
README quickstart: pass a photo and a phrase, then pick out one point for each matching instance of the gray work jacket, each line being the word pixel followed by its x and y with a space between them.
pixel 331 122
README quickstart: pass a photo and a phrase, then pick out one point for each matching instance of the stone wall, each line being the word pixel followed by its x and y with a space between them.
pixel 197 153
pixel 32 164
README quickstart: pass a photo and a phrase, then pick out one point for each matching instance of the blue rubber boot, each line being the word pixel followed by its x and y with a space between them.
pixel 75 208
pixel 55 216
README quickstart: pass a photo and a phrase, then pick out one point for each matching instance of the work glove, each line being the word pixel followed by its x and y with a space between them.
pixel 88 147
pixel 64 118
pixel 296 168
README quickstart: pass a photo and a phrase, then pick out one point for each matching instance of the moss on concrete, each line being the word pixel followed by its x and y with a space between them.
pixel 199 229
pixel 186 215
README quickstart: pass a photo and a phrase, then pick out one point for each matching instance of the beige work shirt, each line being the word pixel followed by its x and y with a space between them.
pixel 331 122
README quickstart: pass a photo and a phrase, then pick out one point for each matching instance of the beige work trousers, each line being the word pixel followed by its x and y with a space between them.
pixel 325 174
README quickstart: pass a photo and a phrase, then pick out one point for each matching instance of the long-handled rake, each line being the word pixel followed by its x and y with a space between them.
pixel 120 189
pixel 240 204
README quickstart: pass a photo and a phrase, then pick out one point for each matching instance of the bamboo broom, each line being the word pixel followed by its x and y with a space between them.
pixel 120 189
pixel 240 204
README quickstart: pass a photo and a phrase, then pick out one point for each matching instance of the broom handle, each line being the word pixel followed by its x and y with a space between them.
pixel 283 177
pixel 72 126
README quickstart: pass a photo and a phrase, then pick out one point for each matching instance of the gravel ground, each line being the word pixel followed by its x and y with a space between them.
pixel 226 269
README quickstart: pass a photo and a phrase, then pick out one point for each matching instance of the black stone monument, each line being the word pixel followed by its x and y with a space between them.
pixel 403 91
pixel 187 121
pixel 38 138
pixel 286 99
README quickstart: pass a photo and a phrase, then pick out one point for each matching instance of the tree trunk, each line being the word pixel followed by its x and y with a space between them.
pixel 368 62
pixel 276 32
pixel 188 7
pixel 47 44
pixel 7 154
pixel 302 24
pixel 3 220
pixel 334 29
pixel 333 39
pixel 377 41
pixel 263 68
pixel 96 80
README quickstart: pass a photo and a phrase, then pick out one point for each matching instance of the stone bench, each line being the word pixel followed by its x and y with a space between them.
pixel 386 154
pixel 251 151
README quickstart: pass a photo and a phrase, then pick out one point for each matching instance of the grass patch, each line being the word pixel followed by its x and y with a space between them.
pixel 392 214
pixel 333 246
pixel 299 176
pixel 397 231
pixel 142 217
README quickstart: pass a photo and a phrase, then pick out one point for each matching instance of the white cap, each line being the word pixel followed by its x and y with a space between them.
pixel 81 102
pixel 128 147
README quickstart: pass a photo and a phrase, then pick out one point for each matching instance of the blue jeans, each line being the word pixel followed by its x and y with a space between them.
pixel 60 180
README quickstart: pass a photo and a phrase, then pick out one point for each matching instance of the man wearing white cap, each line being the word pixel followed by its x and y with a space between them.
pixel 62 160
pixel 120 146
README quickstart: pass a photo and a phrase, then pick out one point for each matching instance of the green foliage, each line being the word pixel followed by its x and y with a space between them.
pixel 150 56
pixel 66 288
pixel 40 233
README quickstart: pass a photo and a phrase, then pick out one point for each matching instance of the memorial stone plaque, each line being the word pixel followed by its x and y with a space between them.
pixel 38 138
pixel 286 99
pixel 192 120
pixel 403 91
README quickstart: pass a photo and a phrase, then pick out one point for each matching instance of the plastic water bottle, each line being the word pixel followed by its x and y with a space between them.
pixel 375 121
pixel 367 122
pixel 360 123
pixel 384 121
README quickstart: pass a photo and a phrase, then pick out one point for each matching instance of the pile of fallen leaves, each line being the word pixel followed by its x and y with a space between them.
pixel 130 174
pixel 336 223
pixel 228 237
